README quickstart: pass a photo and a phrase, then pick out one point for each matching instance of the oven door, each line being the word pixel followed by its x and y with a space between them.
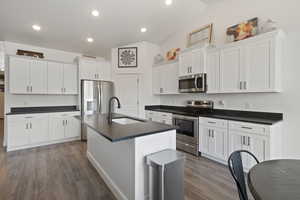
pixel 187 129
pixel 193 83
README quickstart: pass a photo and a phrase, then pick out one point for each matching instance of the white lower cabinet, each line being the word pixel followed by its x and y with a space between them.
pixel 213 139
pixel 254 144
pixel 30 130
pixel 218 140
pixel 161 117
pixel 63 126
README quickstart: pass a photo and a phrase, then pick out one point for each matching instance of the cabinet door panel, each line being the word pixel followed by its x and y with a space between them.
pixel 19 75
pixel 18 134
pixel 185 62
pixel 220 142
pixel 70 79
pixel 156 80
pixel 104 71
pixel 72 127
pixel 198 61
pixel 55 78
pixel 169 78
pixel 213 72
pixel 257 147
pixel 230 69
pixel 39 131
pixel 57 128
pixel 88 69
pixel 258 66
pixel 204 139
pixel 38 77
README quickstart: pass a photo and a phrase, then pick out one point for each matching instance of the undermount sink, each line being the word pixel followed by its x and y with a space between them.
pixel 125 120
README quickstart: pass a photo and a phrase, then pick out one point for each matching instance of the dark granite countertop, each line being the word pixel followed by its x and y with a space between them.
pixel 117 132
pixel 235 115
pixel 44 109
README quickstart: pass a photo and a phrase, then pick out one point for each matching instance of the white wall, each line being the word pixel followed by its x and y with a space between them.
pixel 1 55
pixel 229 12
pixel 146 53
pixel 10 48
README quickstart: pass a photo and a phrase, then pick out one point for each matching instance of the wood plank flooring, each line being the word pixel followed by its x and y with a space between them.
pixel 62 172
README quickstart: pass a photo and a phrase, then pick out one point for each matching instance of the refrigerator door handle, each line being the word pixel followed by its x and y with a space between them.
pixel 100 97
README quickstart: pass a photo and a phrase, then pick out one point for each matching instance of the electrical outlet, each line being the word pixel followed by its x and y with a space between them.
pixel 247 105
pixel 221 103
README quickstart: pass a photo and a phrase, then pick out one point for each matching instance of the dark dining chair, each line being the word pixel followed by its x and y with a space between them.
pixel 235 165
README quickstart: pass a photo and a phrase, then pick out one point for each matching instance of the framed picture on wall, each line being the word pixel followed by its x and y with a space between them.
pixel 202 35
pixel 127 57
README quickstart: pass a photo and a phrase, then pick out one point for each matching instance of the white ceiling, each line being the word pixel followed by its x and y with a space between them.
pixel 67 23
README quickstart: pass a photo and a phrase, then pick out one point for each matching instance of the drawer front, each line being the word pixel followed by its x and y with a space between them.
pixel 213 122
pixel 64 114
pixel 187 147
pixel 249 127
pixel 26 116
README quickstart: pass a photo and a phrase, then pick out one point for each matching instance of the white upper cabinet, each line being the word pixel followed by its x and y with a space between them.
pixel 34 76
pixel 213 72
pixel 230 68
pixel 260 68
pixel 93 69
pixel 19 75
pixel 156 80
pixel 55 78
pixel 62 78
pixel 165 78
pixel 70 83
pixel 38 77
pixel 105 71
pixel 27 76
pixel 251 65
pixel 192 62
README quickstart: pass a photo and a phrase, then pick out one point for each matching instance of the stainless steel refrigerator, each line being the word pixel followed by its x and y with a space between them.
pixel 94 99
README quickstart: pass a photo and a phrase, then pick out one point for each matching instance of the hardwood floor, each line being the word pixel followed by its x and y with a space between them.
pixel 63 172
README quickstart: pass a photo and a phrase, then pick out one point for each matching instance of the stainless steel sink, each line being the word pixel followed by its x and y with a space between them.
pixel 125 121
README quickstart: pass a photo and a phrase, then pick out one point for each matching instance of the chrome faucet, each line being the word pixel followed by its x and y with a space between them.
pixel 109 117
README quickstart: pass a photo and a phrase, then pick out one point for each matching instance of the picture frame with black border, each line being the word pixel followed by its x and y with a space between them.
pixel 128 57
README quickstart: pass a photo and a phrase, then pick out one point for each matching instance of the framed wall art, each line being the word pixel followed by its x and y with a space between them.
pixel 30 53
pixel 127 57
pixel 243 30
pixel 202 35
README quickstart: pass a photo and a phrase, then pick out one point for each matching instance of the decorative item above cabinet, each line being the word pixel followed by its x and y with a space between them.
pixel 251 65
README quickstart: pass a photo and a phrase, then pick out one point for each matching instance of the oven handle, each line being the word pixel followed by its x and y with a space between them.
pixel 196 82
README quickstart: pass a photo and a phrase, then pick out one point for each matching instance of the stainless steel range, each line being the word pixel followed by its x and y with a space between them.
pixel 187 137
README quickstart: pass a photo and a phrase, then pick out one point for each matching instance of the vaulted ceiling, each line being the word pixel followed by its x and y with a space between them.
pixel 67 23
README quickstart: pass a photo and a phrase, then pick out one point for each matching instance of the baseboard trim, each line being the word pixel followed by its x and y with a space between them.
pixel 111 185
pixel 8 149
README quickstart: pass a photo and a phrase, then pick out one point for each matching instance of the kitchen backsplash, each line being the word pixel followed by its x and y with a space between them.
pixel 253 102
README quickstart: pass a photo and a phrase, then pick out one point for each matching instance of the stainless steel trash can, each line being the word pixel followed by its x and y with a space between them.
pixel 166 171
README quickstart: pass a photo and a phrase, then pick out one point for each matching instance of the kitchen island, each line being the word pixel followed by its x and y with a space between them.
pixel 118 151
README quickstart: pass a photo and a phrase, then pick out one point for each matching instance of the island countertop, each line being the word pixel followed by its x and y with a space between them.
pixel 117 132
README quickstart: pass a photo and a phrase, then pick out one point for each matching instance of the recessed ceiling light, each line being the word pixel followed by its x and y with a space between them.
pixel 143 30
pixel 36 27
pixel 95 13
pixel 89 39
pixel 169 2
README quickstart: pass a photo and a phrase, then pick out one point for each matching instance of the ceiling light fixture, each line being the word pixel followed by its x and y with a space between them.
pixel 36 27
pixel 95 13
pixel 90 40
pixel 169 2
pixel 143 30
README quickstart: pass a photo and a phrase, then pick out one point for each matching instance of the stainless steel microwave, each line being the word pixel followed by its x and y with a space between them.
pixel 193 83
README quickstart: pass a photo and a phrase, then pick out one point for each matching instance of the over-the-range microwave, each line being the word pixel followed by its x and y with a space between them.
pixel 196 83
